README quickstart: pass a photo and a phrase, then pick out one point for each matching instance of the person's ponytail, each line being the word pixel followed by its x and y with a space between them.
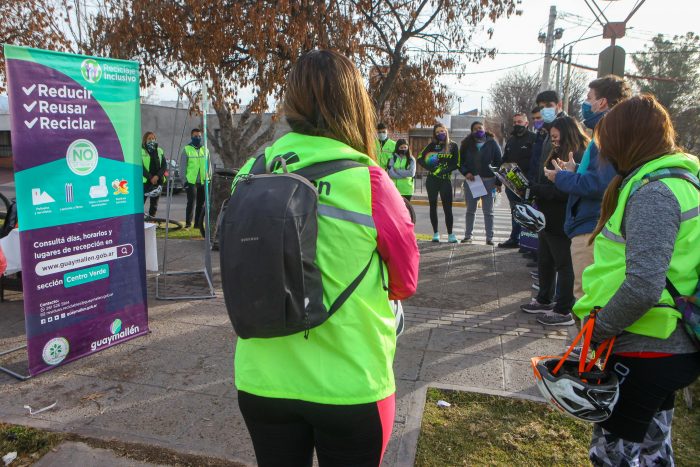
pixel 608 206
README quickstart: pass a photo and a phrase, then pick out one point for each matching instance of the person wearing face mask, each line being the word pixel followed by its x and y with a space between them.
pixel 440 157
pixel 479 153
pixel 194 161
pixel 550 109
pixel 586 183
pixel 402 168
pixel 385 146
pixel 518 151
pixel 154 168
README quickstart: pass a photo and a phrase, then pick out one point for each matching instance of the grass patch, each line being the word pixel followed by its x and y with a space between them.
pixel 480 429
pixel 182 234
pixel 424 237
pixel 29 443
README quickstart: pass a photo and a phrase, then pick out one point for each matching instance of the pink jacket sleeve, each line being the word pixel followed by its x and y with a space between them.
pixel 396 241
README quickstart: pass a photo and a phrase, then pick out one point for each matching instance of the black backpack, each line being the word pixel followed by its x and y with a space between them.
pixel 272 286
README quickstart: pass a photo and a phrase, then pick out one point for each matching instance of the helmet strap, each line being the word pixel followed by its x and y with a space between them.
pixel 586 334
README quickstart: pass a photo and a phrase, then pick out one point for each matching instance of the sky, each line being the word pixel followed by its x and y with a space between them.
pixel 516 38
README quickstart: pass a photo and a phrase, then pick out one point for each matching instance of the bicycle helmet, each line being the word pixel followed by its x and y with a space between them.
pixel 576 386
pixel 589 396
pixel 154 193
pixel 529 217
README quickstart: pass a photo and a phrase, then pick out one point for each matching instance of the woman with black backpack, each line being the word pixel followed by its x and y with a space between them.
pixel 329 386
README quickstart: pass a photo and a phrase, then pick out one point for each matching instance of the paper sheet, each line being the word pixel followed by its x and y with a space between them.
pixel 477 187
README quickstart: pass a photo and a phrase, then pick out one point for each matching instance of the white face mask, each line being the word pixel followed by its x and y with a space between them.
pixel 382 136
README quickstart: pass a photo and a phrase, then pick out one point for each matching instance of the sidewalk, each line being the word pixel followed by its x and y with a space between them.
pixel 174 388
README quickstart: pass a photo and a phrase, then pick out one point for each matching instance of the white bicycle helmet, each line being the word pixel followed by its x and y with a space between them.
pixel 154 193
pixel 529 217
pixel 590 396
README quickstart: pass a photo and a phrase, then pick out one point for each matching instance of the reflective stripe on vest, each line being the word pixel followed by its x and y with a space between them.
pixel 146 159
pixel 196 164
pixel 347 359
pixel 603 278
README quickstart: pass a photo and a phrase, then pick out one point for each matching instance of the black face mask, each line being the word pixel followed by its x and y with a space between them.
pixel 401 152
pixel 519 129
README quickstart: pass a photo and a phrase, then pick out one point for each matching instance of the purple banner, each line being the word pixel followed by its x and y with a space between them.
pixel 76 146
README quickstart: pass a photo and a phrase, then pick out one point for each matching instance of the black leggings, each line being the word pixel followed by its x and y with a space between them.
pixel 285 431
pixel 442 186
pixel 647 386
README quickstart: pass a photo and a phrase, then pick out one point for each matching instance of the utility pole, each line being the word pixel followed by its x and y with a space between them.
pixel 548 48
pixel 567 86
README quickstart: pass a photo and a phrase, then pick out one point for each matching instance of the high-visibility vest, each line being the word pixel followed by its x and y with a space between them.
pixel 404 185
pixel 605 276
pixel 146 158
pixel 385 151
pixel 196 164
pixel 347 359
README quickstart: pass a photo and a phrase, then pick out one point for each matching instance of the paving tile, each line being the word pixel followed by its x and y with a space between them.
pixel 465 342
pixel 463 370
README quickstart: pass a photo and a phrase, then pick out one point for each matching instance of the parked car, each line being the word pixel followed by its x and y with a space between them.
pixel 174 175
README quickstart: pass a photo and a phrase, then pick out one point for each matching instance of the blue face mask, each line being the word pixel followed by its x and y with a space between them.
pixel 441 137
pixel 196 140
pixel 538 124
pixel 586 110
pixel 549 114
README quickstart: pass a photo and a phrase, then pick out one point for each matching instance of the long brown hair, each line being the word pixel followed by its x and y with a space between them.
pixel 571 139
pixel 326 96
pixel 636 131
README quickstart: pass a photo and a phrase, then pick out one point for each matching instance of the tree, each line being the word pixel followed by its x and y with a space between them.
pixel 249 44
pixel 677 61
pixel 515 92
pixel 29 23
pixel 399 37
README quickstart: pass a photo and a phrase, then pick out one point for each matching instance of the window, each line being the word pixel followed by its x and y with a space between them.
pixel 5 144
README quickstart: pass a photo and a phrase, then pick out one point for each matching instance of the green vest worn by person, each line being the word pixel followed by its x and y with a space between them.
pixel 385 151
pixel 605 276
pixel 196 164
pixel 404 185
pixel 348 359
pixel 146 158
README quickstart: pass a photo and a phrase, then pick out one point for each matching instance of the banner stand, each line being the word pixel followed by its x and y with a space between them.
pixel 207 271
pixel 10 372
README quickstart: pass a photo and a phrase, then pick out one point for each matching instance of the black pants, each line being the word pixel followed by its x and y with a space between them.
pixel 555 268
pixel 647 386
pixel 153 205
pixel 191 189
pixel 515 227
pixel 285 431
pixel 441 186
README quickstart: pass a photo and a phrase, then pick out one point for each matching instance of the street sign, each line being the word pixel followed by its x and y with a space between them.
pixel 611 61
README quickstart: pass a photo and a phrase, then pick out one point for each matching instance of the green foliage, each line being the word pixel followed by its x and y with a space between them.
pixel 27 442
pixel 679 59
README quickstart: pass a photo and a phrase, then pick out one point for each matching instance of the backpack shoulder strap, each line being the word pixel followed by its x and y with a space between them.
pixel 666 173
pixel 323 169
pixel 258 167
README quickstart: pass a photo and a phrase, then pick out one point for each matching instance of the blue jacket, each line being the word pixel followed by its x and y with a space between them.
pixel 585 189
